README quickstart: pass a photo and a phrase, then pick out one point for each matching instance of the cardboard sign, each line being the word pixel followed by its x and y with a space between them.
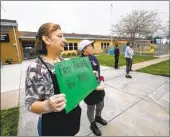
pixel 76 80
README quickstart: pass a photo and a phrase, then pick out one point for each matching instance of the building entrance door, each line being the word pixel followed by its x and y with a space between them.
pixel 29 49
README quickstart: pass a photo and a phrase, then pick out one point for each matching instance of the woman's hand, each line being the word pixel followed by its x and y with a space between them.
pixel 56 103
pixel 100 87
pixel 95 73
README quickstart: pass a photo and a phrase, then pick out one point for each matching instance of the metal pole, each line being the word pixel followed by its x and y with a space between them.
pixel 111 24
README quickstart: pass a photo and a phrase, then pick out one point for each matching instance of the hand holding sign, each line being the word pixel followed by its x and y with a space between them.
pixel 96 74
pixel 100 87
pixel 55 103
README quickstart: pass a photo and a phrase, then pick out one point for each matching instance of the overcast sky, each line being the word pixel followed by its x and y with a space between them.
pixel 89 17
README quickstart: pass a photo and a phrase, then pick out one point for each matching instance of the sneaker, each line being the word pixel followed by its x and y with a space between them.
pixel 100 120
pixel 128 76
pixel 95 129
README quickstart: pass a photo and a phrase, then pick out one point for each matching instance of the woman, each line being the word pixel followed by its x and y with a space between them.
pixel 96 97
pixel 42 90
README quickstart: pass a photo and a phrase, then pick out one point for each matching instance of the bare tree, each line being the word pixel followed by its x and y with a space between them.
pixel 166 30
pixel 139 23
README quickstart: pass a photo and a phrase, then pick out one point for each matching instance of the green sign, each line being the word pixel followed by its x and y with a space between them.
pixel 76 80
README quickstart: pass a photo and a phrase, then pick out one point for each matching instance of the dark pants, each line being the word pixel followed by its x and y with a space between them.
pixel 128 65
pixel 116 61
pixel 131 65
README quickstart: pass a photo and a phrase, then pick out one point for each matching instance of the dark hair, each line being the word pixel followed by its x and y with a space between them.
pixel 44 30
pixel 128 44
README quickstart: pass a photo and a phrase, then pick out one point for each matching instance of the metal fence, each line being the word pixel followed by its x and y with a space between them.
pixel 143 50
pixel 162 49
pixel 146 50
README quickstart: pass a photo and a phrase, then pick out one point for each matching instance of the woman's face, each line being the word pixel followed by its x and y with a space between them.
pixel 88 50
pixel 56 41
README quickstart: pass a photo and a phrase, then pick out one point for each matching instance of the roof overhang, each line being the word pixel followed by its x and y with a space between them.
pixel 9 24
pixel 81 38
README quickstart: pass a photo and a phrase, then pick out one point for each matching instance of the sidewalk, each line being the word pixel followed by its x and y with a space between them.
pixel 12 81
pixel 133 107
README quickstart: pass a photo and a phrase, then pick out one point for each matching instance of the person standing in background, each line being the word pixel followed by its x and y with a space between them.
pixel 128 56
pixel 117 53
pixel 131 57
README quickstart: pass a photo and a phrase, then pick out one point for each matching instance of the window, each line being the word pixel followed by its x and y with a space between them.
pixel 75 46
pixel 4 29
pixel 66 47
pixel 70 46
pixel 107 45
pixel 28 43
pixel 101 45
pixel 104 45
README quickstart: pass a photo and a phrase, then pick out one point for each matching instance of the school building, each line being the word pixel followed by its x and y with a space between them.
pixel 19 45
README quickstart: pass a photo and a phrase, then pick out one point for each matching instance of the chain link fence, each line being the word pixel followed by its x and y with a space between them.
pixel 151 49
pixel 162 49
pixel 143 50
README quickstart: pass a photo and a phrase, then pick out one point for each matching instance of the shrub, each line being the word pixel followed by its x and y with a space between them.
pixel 73 54
pixel 9 60
pixel 64 55
pixel 68 54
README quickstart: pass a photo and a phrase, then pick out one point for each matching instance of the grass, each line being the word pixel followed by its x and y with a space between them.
pixel 162 69
pixel 9 122
pixel 108 60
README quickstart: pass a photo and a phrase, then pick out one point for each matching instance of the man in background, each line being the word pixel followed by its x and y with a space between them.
pixel 128 56
pixel 117 53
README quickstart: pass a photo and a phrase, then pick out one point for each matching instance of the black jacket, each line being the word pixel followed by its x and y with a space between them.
pixel 117 52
